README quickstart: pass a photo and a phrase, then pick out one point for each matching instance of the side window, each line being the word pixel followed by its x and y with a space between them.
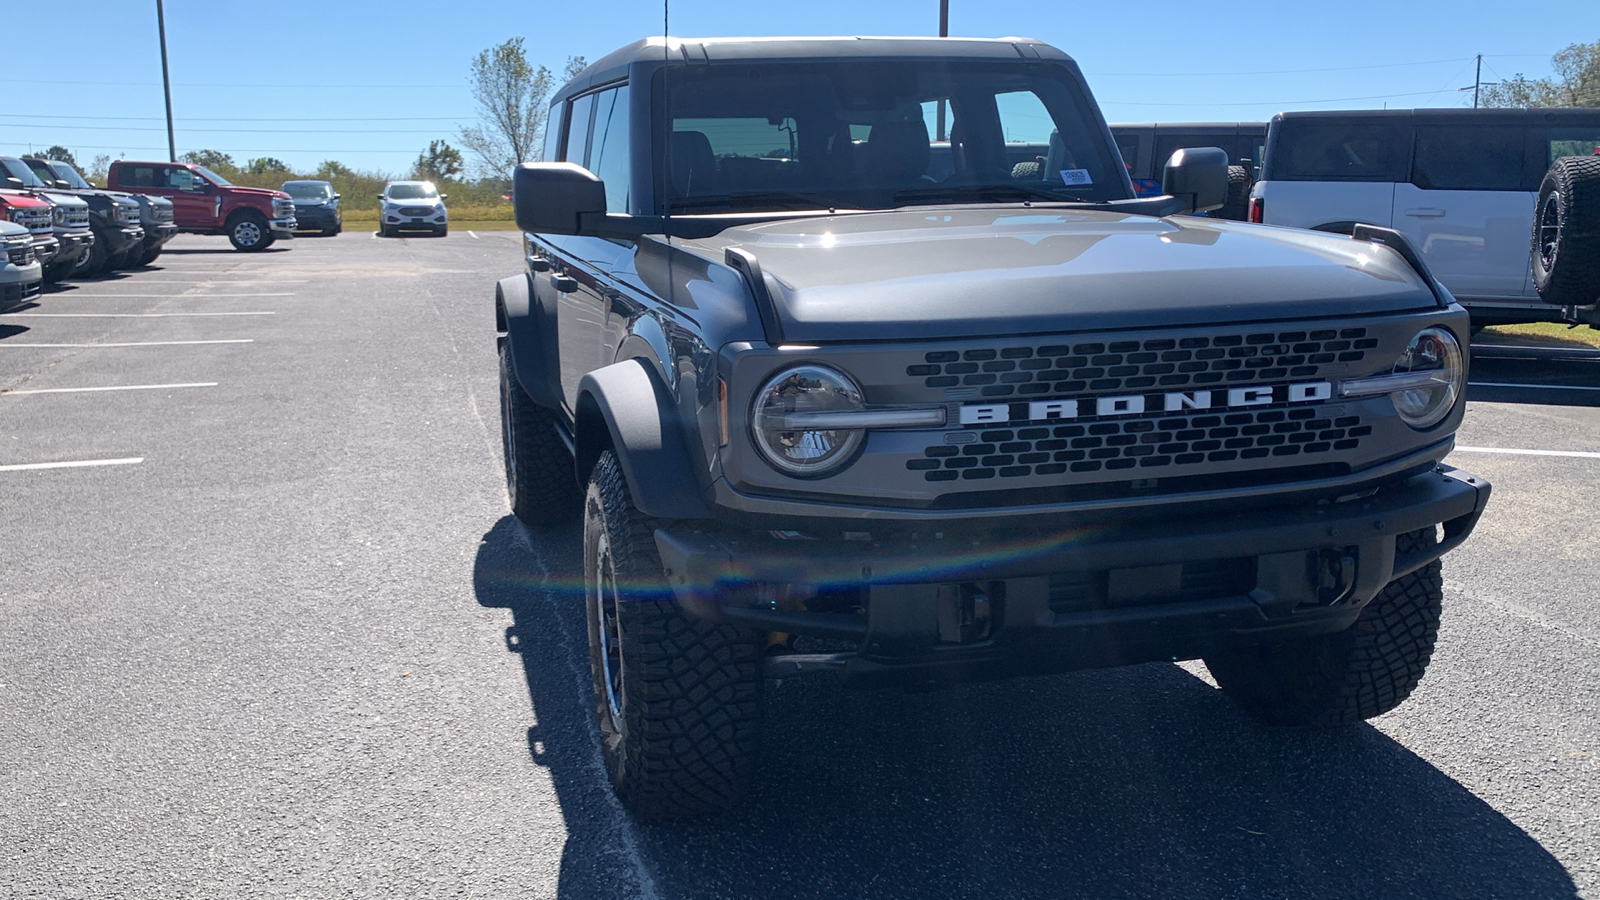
pixel 1028 129
pixel 1561 142
pixel 577 148
pixel 552 132
pixel 609 147
pixel 1128 146
pixel 179 178
pixel 1340 151
pixel 139 176
pixel 1468 158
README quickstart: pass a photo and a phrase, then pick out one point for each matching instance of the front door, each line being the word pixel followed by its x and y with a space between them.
pixel 194 200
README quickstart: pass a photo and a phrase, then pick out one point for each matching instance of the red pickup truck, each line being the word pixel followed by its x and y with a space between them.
pixel 206 203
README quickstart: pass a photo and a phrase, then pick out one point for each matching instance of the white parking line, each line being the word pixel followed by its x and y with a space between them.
pixel 474 235
pixel 1574 454
pixel 28 315
pixel 1532 387
pixel 4 344
pixel 120 387
pixel 77 464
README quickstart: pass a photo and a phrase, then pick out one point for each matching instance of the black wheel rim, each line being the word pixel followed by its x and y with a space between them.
pixel 1549 231
pixel 609 627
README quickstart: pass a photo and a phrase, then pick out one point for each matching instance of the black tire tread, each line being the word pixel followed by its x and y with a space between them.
pixel 1364 671
pixel 544 489
pixel 692 689
pixel 1237 207
pixel 1575 279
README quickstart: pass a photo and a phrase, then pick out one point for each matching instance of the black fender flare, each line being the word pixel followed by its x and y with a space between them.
pixel 627 407
pixel 527 330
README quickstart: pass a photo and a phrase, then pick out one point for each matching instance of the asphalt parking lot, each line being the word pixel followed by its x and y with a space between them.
pixel 267 630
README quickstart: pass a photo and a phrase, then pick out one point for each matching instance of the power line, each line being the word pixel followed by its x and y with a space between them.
pixel 123 148
pixel 1434 62
pixel 246 119
pixel 432 131
pixel 1277 102
pixel 405 87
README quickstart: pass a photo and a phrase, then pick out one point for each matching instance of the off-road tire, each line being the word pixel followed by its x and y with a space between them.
pixel 56 271
pixel 684 741
pixel 443 230
pixel 539 470
pixel 1334 679
pixel 1237 207
pixel 249 232
pixel 1027 171
pixel 1566 233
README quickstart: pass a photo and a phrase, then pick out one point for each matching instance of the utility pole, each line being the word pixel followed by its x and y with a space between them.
pixel 166 82
pixel 944 31
pixel 1478 84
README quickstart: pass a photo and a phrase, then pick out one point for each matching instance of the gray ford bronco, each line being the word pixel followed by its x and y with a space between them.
pixel 860 356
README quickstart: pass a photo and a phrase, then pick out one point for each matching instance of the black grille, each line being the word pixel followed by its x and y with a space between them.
pixel 21 256
pixel 1140 444
pixel 416 210
pixel 1156 364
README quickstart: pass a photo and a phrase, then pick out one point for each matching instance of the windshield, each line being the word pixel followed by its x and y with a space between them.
pixel 424 191
pixel 68 174
pixel 213 177
pixel 308 190
pixel 19 175
pixel 882 134
pixel 44 173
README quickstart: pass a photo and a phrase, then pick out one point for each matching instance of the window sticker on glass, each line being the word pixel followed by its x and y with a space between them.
pixel 1076 176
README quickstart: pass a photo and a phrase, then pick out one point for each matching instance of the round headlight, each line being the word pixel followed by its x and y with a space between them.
pixel 777 420
pixel 1434 357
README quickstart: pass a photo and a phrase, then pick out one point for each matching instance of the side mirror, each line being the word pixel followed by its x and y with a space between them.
pixel 1198 177
pixel 380 196
pixel 444 196
pixel 335 196
pixel 554 198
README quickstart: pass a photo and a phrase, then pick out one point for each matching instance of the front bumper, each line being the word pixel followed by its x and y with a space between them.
pixel 19 283
pixel 156 234
pixel 119 240
pixel 45 248
pixel 1085 597
pixel 282 228
pixel 316 219
pixel 74 246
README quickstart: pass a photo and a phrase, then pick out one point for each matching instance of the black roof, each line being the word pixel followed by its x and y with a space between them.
pixel 702 51
pixel 1452 116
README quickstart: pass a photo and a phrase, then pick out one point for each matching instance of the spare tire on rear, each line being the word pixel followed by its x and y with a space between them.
pixel 1566 233
pixel 1237 206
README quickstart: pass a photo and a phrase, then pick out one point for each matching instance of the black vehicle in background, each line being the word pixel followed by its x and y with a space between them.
pixel 1146 147
pixel 316 206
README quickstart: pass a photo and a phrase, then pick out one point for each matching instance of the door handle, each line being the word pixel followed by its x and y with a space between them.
pixel 538 264
pixel 566 284
pixel 1426 212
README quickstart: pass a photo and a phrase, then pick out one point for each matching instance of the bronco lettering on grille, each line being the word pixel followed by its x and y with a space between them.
pixel 1136 404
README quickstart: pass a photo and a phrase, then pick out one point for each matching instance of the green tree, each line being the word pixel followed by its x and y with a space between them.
pixel 57 151
pixel 439 162
pixel 263 165
pixel 1575 82
pixel 512 97
pixel 215 160
pixel 332 168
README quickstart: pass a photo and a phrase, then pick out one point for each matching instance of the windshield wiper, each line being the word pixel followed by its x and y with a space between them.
pixel 782 199
pixel 986 192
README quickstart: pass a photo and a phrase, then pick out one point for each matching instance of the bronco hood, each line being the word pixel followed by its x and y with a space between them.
pixel 954 272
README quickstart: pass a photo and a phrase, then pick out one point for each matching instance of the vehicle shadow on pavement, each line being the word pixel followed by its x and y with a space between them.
pixel 184 251
pixel 12 330
pixel 1136 782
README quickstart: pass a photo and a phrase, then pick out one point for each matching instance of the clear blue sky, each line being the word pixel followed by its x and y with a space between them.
pixel 370 83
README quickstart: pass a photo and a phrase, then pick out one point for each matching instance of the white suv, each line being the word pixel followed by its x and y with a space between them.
pixel 1460 184
pixel 412 206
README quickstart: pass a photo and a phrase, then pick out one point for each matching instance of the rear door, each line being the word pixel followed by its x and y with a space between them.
pixel 1467 209
pixel 1327 174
